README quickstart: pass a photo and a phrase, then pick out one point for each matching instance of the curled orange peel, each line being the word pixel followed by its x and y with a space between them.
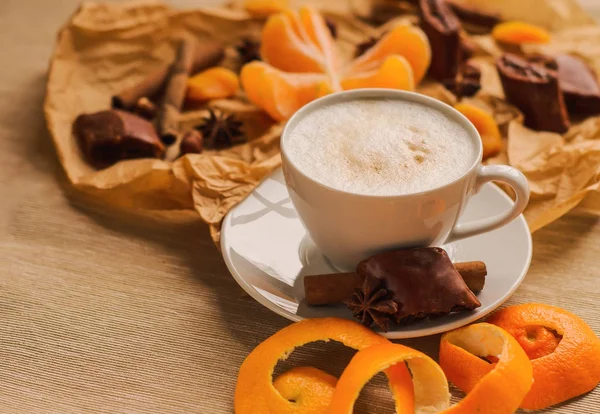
pixel 562 370
pixel 309 388
pixel 498 392
pixel 213 83
pixel 298 42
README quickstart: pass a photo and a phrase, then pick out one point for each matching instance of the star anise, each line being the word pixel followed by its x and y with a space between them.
pixel 221 130
pixel 467 81
pixel 372 303
pixel 248 50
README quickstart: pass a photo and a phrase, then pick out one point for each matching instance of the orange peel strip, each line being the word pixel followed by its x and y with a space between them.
pixel 518 33
pixel 485 125
pixel 255 392
pixel 281 94
pixel 500 388
pixel 405 40
pixel 572 369
pixel 430 385
pixel 214 83
pixel 395 73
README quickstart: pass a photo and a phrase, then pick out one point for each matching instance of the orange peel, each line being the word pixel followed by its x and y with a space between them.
pixel 500 388
pixel 256 393
pixel 518 33
pixel 572 368
pixel 299 52
pixel 214 83
pixel 498 392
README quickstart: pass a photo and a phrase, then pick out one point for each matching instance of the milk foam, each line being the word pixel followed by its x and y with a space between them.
pixel 380 147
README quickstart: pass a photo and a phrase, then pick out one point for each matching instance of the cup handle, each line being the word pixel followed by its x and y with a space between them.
pixel 505 174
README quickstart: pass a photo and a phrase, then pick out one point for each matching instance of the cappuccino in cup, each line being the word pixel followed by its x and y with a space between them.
pixel 380 147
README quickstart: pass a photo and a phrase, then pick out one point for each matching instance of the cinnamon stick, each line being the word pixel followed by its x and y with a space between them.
pixel 206 54
pixel 335 288
pixel 170 108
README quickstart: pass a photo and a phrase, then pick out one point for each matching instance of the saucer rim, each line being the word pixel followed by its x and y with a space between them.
pixel 250 290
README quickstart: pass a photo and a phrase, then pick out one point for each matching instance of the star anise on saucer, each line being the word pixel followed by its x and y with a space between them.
pixel 372 303
pixel 221 130
pixel 248 50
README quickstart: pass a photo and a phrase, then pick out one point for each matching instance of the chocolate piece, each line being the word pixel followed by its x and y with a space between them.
pixel 221 130
pixel 535 91
pixel 423 282
pixel 442 28
pixel 373 303
pixel 467 81
pixel 579 85
pixel 473 19
pixel 106 137
pixel 191 143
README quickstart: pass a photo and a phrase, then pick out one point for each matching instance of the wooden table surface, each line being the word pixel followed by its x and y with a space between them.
pixel 104 313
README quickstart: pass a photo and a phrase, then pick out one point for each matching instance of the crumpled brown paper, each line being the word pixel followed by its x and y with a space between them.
pixel 105 47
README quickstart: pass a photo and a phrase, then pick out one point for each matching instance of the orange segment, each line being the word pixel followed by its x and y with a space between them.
pixel 572 369
pixel 395 73
pixel 491 389
pixel 285 49
pixel 485 125
pixel 428 380
pixel 281 94
pixel 405 40
pixel 212 83
pixel 265 7
pixel 518 33
pixel 255 392
pixel 319 34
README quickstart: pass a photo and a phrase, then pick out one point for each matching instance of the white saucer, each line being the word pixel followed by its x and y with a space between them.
pixel 268 252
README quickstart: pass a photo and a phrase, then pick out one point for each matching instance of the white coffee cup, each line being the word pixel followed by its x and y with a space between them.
pixel 349 227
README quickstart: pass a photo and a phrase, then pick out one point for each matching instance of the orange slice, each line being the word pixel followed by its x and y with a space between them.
pixel 214 83
pixel 310 388
pixel 519 33
pixel 281 94
pixel 562 370
pixel 500 388
pixel 408 41
pixel 395 73
pixel 286 45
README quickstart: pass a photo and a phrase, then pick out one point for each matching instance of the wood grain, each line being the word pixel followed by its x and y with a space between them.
pixel 102 312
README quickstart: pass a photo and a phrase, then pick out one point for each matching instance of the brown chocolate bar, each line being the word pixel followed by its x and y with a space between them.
pixel 579 85
pixel 404 286
pixel 473 19
pixel 534 89
pixel 106 137
pixel 442 28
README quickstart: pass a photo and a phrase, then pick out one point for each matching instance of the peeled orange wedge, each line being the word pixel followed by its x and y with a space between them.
pixel 302 63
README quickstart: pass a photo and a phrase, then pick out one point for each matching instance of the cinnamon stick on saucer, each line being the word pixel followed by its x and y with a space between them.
pixel 205 55
pixel 335 288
